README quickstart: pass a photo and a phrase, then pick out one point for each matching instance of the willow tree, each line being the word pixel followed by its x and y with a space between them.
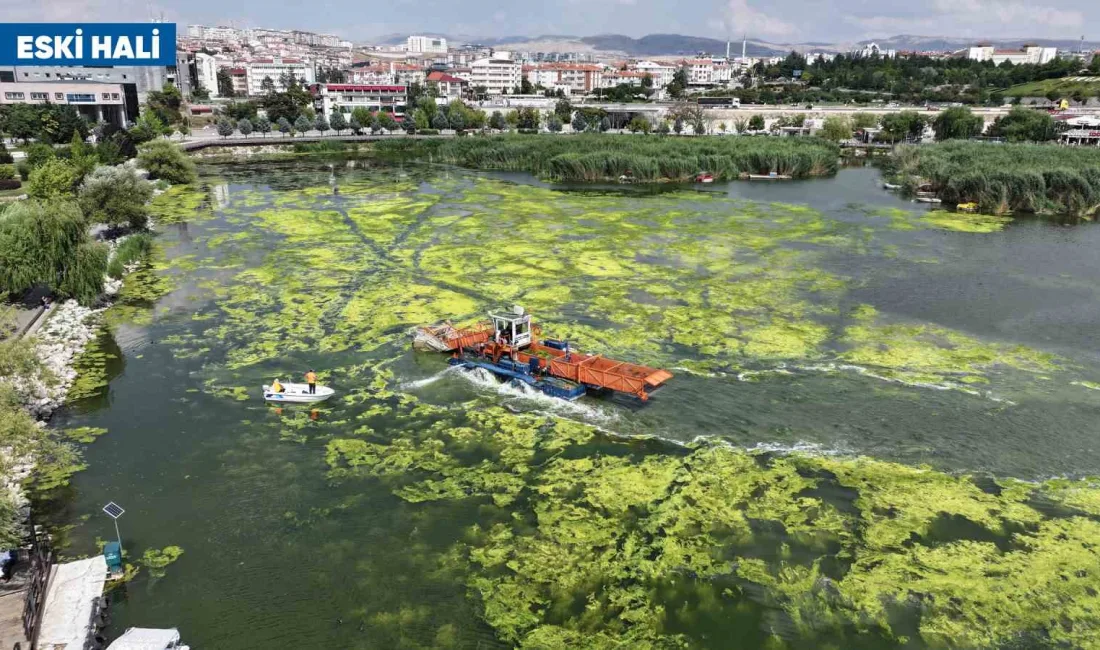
pixel 46 243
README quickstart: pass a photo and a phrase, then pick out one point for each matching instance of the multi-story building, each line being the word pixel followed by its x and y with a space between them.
pixel 1029 54
pixel 238 77
pixel 345 98
pixel 204 71
pixel 498 74
pixel 99 102
pixel 136 81
pixel 661 73
pixel 700 72
pixel 871 50
pixel 426 45
pixel 373 74
pixel 612 78
pixel 448 85
pixel 578 77
pixel 260 69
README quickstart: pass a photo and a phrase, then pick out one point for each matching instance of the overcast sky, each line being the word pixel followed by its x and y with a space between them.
pixel 773 20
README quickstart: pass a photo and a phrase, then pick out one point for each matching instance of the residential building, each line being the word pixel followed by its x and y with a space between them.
pixel 660 72
pixel 1029 54
pixel 448 85
pixel 426 45
pixel 408 73
pixel 700 72
pixel 345 98
pixel 141 79
pixel 239 79
pixel 99 102
pixel 578 77
pixel 612 78
pixel 723 74
pixel 260 69
pixel 374 74
pixel 204 72
pixel 498 74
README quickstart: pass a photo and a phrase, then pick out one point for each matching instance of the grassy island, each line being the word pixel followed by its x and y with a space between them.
pixel 1004 178
pixel 645 158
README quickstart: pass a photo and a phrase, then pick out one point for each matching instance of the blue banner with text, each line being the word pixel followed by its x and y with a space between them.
pixel 88 44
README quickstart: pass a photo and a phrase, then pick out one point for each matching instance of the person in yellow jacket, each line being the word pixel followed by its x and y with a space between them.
pixel 311 379
pixel 276 387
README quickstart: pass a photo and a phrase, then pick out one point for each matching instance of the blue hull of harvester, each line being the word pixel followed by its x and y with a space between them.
pixel 509 370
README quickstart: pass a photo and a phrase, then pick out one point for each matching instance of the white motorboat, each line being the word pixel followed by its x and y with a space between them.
pixel 298 394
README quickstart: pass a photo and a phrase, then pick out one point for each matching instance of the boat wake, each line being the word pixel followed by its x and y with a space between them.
pixel 427 381
pixel 518 390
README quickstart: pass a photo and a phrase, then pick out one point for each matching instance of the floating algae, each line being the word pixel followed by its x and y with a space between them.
pixel 157 560
pixel 965 222
pixel 847 549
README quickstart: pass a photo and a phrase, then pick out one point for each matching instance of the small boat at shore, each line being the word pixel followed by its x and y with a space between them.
pixel 929 199
pixel 773 176
pixel 704 177
pixel 298 394
pixel 891 186
pixel 967 207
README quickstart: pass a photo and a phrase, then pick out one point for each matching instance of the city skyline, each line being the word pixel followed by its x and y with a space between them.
pixel 780 21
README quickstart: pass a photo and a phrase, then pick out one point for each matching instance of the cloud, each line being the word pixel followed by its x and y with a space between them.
pixel 970 16
pixel 741 18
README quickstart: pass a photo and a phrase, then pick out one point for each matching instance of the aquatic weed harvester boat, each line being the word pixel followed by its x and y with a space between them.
pixel 508 345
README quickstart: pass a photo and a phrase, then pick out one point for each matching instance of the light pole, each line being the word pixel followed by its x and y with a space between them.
pixel 114 511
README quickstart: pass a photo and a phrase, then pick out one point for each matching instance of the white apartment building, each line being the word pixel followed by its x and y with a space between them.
pixel 345 98
pixel 661 73
pixel 206 72
pixel 1031 54
pixel 723 74
pixel 499 73
pixel 578 77
pixel 426 45
pixel 700 72
pixel 256 71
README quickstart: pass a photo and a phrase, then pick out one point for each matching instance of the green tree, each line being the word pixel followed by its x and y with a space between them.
pixel 302 124
pixel 957 122
pixel 456 117
pixel 902 125
pixel 321 124
pixel 54 179
pixel 663 128
pixel 148 127
pixel 47 243
pixel 225 127
pixel 163 159
pixel 244 125
pixel 386 121
pixel 439 122
pixel 240 110
pixel 605 124
pixel 679 83
pixel 338 122
pixel 836 128
pixel 1024 125
pixel 285 127
pixel 267 86
pixel 864 120
pixel 225 83
pixel 362 115
pixel 756 122
pixel 409 125
pixel 263 125
pixel 1053 95
pixel 579 122
pixel 529 118
pixel 496 121
pixel 512 118
pixel 564 110
pixel 22 121
pixel 115 196
pixel 678 125
pixel 355 125
pixel 554 123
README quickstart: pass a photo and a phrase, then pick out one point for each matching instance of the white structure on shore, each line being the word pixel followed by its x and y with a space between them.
pixel 1029 54
pixel 872 49
pixel 499 74
pixel 426 45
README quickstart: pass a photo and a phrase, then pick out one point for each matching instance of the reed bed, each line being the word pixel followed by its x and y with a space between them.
pixel 1006 178
pixel 593 157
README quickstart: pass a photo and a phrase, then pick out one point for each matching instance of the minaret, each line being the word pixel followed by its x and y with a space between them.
pixel 744 46
pixel 727 50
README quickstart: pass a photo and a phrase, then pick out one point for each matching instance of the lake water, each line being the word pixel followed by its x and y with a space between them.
pixel 808 324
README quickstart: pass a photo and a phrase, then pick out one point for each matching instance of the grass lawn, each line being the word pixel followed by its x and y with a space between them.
pixel 1066 86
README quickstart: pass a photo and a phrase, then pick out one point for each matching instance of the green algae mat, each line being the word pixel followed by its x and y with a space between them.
pixel 857 451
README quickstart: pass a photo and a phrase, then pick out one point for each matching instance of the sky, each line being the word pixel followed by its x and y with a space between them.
pixel 778 21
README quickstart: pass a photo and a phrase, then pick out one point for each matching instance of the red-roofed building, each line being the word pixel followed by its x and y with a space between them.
pixel 448 85
pixel 345 98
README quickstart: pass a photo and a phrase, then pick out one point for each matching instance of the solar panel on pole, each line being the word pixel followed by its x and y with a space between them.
pixel 114 511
